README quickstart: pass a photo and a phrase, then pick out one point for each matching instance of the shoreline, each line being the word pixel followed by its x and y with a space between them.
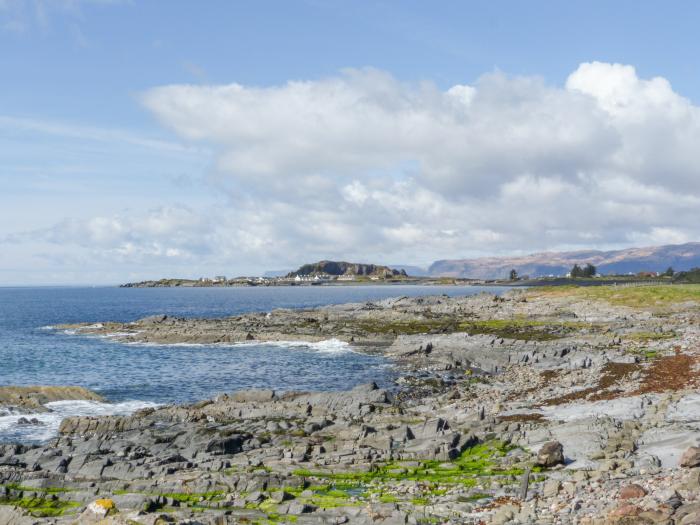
pixel 591 391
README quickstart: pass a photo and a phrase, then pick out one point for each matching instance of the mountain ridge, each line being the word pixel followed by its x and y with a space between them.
pixel 649 258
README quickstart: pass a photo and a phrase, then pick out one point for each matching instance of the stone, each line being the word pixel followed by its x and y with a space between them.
pixel 632 491
pixel 690 458
pixel 504 514
pixel 625 511
pixel 296 507
pixel 101 507
pixel 551 488
pixel 281 495
pixel 692 518
pixel 551 454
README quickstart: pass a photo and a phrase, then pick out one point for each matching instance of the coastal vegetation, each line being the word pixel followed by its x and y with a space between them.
pixel 632 296
pixel 40 506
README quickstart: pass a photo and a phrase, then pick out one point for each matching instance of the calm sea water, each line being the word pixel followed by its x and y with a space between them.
pixel 131 376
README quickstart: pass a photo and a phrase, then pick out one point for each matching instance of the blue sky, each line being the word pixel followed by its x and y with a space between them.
pixel 123 154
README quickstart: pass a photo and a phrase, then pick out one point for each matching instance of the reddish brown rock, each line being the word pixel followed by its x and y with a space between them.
pixel 632 491
pixel 690 458
pixel 625 511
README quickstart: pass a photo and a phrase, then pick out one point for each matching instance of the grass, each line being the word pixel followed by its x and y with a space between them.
pixel 632 296
pixel 476 462
pixel 650 336
pixel 651 354
pixel 43 490
pixel 195 497
pixel 522 329
pixel 193 500
pixel 41 507
pixel 479 465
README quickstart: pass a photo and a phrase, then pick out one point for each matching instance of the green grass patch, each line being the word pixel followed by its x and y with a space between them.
pixel 522 329
pixel 194 497
pixel 412 327
pixel 191 499
pixel 476 462
pixel 42 490
pixel 650 336
pixel 632 296
pixel 41 507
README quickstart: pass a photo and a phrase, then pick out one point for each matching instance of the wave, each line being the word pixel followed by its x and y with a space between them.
pixel 327 346
pixel 44 425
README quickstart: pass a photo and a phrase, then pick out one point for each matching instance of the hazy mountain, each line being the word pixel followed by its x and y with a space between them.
pixel 654 258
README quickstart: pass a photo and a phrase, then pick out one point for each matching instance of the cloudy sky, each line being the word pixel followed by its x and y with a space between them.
pixel 181 138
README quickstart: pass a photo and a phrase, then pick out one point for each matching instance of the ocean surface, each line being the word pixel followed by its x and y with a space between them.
pixel 135 376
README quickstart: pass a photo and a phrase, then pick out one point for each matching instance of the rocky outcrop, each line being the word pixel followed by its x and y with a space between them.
pixel 34 397
pixel 346 268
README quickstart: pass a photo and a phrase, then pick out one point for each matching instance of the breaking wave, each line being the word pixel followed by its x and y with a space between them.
pixel 37 427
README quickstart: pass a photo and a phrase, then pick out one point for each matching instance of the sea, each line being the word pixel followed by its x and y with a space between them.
pixel 134 376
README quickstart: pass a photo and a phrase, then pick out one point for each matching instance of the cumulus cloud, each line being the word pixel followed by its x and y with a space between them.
pixel 463 141
pixel 365 166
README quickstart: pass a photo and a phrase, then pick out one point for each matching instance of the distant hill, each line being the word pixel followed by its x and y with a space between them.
pixel 654 258
pixel 346 268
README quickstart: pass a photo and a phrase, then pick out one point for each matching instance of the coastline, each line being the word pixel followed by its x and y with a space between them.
pixel 582 389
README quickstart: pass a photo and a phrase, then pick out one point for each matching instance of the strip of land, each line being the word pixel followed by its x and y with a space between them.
pixel 545 405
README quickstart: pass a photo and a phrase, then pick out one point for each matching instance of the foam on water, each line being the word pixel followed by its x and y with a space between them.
pixel 327 346
pixel 48 422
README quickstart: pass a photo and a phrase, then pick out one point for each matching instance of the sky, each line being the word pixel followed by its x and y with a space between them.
pixel 148 139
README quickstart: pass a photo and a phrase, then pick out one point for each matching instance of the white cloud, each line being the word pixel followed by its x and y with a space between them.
pixel 364 166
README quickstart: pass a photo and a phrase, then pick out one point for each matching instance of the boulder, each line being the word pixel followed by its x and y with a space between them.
pixel 624 511
pixel 551 454
pixel 632 491
pixel 101 508
pixel 690 458
pixel 227 445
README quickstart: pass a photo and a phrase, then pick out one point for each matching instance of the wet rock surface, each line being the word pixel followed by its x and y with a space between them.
pixel 528 408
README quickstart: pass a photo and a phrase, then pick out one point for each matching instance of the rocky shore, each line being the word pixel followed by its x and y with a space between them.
pixel 540 406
